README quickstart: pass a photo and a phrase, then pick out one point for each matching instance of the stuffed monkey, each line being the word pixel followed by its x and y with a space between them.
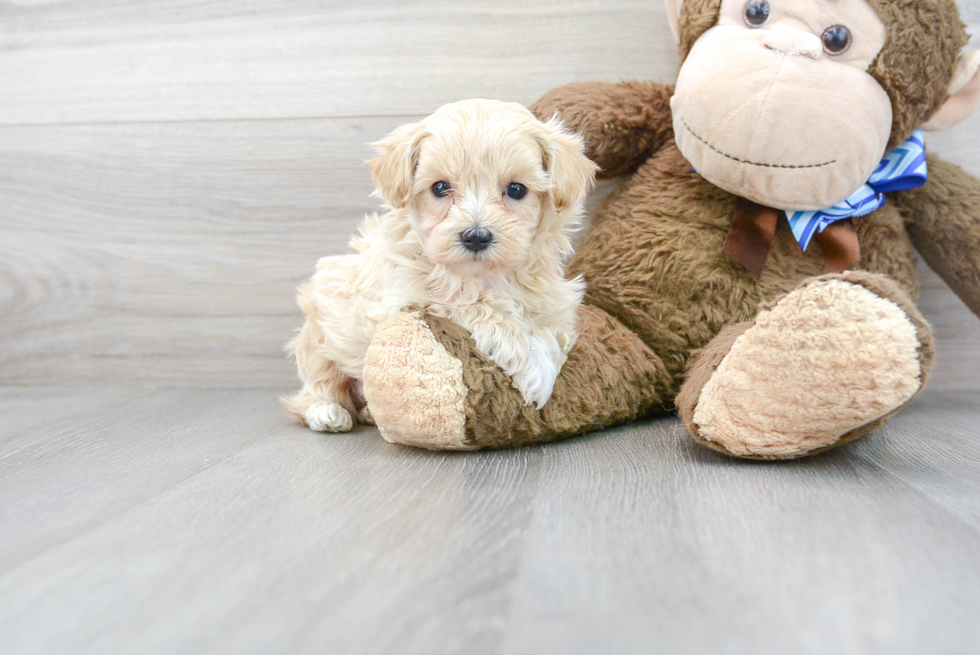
pixel 755 270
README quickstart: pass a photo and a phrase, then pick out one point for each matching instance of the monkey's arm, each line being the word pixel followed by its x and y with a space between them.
pixel 943 219
pixel 623 123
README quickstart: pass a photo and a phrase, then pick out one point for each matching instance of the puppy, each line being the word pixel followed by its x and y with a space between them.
pixel 483 200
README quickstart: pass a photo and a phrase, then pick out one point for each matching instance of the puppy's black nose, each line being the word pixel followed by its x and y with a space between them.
pixel 476 239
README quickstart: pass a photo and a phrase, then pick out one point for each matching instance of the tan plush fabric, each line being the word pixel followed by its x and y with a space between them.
pixel 706 362
pixel 770 137
pixel 414 387
pixel 827 359
pixel 806 442
pixel 924 40
pixel 611 377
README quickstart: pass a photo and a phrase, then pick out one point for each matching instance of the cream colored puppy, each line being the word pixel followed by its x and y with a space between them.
pixel 483 200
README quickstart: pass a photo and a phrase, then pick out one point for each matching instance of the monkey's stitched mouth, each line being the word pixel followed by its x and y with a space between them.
pixel 752 163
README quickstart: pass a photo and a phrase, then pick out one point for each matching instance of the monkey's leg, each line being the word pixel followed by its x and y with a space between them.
pixel 821 366
pixel 944 222
pixel 622 123
pixel 428 386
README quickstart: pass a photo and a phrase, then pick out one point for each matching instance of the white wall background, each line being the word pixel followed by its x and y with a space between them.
pixel 171 169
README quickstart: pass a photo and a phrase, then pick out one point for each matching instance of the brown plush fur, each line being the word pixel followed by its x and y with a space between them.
pixel 653 259
pixel 624 121
pixel 915 66
pixel 610 377
pixel 942 220
pixel 918 60
pixel 697 17
pixel 661 292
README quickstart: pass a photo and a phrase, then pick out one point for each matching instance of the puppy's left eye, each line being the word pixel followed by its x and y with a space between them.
pixel 516 191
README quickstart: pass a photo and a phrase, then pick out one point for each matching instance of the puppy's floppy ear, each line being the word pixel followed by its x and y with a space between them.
pixel 572 173
pixel 394 167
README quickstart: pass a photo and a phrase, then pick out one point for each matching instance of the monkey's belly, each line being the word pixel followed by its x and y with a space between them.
pixel 653 259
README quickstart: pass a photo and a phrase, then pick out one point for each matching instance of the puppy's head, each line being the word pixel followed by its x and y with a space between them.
pixel 485 185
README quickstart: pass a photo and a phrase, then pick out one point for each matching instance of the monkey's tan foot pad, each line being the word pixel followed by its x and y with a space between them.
pixel 821 366
pixel 414 387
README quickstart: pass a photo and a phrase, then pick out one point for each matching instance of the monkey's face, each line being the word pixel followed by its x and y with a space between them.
pixel 775 103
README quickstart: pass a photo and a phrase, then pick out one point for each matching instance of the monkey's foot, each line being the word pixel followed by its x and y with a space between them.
pixel 823 365
pixel 428 386
pixel 414 386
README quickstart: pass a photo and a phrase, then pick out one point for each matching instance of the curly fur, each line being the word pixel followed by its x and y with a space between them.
pixel 513 298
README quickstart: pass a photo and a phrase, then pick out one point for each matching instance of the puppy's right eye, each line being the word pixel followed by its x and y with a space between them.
pixel 516 190
pixel 441 189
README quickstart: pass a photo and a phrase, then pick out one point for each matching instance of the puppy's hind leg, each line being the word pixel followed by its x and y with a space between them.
pixel 324 403
pixel 360 402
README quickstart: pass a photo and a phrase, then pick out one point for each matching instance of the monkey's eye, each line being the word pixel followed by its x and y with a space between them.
pixel 441 189
pixel 516 191
pixel 757 13
pixel 836 39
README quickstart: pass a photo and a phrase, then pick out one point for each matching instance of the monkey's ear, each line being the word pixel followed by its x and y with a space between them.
pixel 964 94
pixel 674 17
pixel 572 173
pixel 394 167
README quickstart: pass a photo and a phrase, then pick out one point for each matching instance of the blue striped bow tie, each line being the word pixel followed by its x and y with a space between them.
pixel 902 168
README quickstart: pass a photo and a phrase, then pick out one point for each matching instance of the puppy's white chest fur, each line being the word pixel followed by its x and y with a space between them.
pixel 527 334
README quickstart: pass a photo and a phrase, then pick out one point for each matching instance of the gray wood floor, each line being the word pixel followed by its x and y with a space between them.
pixel 188 521
pixel 171 169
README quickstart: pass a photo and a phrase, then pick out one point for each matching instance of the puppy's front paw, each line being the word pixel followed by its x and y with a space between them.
pixel 328 417
pixel 536 380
